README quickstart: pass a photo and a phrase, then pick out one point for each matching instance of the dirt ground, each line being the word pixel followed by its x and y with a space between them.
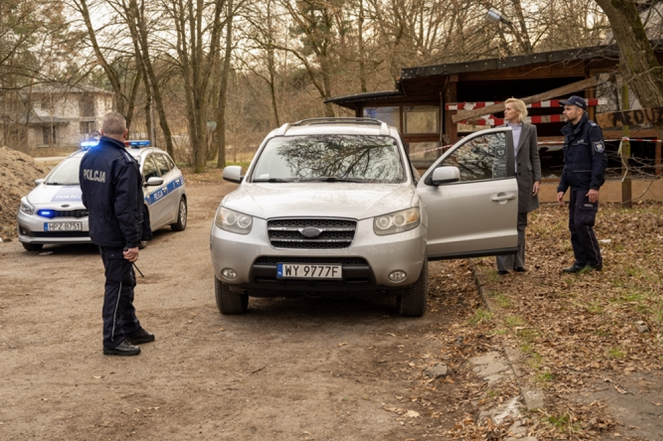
pixel 323 370
pixel 287 370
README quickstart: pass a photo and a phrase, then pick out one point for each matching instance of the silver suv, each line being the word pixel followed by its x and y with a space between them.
pixel 333 207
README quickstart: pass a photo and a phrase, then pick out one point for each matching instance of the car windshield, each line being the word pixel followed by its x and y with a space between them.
pixel 66 172
pixel 330 158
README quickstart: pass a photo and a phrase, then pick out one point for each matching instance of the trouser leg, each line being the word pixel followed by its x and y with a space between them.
pixel 118 312
pixel 584 221
pixel 576 244
pixel 519 258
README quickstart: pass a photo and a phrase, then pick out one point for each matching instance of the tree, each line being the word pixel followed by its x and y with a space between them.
pixel 198 29
pixel 36 47
pixel 139 26
pixel 637 61
pixel 111 59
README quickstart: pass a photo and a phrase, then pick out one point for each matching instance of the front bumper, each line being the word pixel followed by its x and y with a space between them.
pixel 31 230
pixel 366 263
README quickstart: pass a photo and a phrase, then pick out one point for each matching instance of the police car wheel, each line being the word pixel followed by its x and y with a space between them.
pixel 180 225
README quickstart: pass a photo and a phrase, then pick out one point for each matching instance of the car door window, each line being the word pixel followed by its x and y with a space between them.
pixel 481 158
pixel 149 169
pixel 163 164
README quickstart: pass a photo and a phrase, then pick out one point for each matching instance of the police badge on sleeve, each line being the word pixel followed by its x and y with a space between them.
pixel 599 146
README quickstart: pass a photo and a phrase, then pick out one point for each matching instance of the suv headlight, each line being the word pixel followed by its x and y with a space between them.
pixel 397 222
pixel 26 207
pixel 233 221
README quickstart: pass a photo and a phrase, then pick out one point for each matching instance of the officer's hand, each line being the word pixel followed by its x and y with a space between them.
pixel 131 254
pixel 593 195
pixel 560 198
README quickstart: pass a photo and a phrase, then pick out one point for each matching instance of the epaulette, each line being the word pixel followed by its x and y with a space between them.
pixel 127 157
pixel 592 123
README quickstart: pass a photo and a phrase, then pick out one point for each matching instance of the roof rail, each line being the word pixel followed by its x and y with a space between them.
pixel 338 120
pixel 384 129
pixel 281 130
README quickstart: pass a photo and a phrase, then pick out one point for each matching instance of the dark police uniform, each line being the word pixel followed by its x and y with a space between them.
pixel 111 186
pixel 585 161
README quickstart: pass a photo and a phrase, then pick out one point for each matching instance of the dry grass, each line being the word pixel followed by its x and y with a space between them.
pixel 575 328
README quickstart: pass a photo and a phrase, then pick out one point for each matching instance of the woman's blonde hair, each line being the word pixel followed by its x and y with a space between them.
pixel 520 107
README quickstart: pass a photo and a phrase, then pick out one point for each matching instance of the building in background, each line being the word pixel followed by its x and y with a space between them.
pixel 54 116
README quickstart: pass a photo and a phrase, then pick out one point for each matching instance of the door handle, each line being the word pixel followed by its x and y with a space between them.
pixel 502 198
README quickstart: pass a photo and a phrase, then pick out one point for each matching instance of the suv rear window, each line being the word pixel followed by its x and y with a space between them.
pixel 330 158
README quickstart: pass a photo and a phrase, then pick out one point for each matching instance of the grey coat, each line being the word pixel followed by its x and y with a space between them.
pixel 529 168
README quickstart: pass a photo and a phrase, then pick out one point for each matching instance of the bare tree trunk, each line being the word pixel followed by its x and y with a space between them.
pixel 223 93
pixel 197 51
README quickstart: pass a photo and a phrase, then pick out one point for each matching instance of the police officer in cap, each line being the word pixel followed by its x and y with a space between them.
pixel 585 161
pixel 111 185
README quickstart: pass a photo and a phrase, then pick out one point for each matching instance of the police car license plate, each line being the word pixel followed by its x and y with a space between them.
pixel 308 271
pixel 63 226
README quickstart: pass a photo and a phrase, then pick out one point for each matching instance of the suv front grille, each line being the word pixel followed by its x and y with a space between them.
pixel 311 233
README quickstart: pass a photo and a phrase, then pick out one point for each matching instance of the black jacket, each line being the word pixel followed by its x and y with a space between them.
pixel 585 159
pixel 111 186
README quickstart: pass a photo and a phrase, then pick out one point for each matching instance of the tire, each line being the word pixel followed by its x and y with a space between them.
pixel 32 246
pixel 146 216
pixel 180 225
pixel 413 303
pixel 227 301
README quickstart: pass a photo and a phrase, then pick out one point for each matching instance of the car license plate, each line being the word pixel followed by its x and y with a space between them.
pixel 308 271
pixel 63 226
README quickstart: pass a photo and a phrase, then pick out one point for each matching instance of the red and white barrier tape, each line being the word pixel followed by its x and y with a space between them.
pixel 547 143
pixel 537 105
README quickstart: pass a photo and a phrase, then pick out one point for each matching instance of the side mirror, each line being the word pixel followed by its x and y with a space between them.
pixel 154 181
pixel 233 173
pixel 445 175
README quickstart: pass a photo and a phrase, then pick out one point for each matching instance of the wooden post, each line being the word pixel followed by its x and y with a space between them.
pixel 450 96
pixel 626 152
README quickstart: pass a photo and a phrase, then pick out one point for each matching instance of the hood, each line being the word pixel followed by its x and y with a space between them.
pixel 56 196
pixel 348 200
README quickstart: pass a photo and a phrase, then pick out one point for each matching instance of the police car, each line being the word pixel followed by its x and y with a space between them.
pixel 53 213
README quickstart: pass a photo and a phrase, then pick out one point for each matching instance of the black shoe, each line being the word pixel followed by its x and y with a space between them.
pixel 502 272
pixel 574 269
pixel 140 337
pixel 598 267
pixel 520 269
pixel 125 348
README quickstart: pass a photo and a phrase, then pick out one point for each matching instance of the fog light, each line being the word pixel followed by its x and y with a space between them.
pixel 229 273
pixel 397 276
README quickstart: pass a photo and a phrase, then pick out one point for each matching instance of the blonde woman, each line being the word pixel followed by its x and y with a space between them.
pixel 528 176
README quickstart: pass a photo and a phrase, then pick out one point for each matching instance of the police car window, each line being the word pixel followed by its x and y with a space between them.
pixel 480 159
pixel 163 164
pixel 149 169
pixel 66 173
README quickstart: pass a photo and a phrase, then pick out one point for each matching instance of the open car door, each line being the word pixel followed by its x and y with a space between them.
pixel 471 197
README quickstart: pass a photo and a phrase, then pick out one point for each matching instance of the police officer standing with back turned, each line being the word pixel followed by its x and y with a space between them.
pixel 111 185
pixel 584 172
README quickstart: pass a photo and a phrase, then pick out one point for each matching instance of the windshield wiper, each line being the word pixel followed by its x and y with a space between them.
pixel 330 179
pixel 272 180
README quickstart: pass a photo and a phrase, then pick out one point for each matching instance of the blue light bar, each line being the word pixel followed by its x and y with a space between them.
pixel 50 214
pixel 86 145
pixel 136 144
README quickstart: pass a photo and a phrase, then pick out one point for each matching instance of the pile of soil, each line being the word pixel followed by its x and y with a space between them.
pixel 18 172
